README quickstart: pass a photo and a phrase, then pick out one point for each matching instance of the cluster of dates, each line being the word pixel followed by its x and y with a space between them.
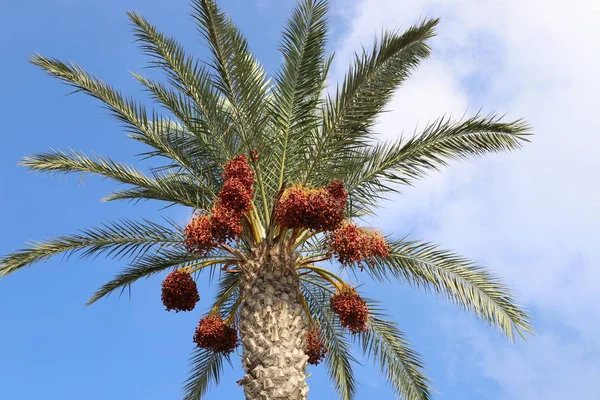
pixel 224 223
pixel 298 208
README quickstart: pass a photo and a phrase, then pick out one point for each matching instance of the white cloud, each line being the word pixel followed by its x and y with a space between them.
pixel 553 366
pixel 534 216
pixel 432 92
pixel 549 368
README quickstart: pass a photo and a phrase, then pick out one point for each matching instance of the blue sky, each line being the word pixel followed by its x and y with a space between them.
pixel 533 217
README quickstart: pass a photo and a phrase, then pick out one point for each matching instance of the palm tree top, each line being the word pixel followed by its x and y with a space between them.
pixel 296 138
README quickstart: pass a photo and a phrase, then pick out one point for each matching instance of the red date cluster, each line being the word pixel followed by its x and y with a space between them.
pixel 352 244
pixel 206 231
pixel 213 334
pixel 315 348
pixel 238 168
pixel 235 196
pixel 179 291
pixel 226 224
pixel 198 234
pixel 319 209
pixel 351 309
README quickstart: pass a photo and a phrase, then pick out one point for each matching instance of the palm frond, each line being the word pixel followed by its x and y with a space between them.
pixel 207 366
pixel 212 123
pixel 339 358
pixel 313 246
pixel 125 238
pixel 145 267
pixel 165 186
pixel 299 83
pixel 424 265
pixel 175 182
pixel 367 88
pixel 401 365
pixel 242 81
pixel 238 75
pixel 126 110
pixel 183 71
pixel 176 143
pixel 180 138
pixel 441 141
pixel 179 104
pixel 192 137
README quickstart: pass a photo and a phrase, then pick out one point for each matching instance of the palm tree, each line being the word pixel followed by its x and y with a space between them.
pixel 276 171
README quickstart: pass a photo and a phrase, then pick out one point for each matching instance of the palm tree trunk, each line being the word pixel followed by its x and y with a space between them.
pixel 273 328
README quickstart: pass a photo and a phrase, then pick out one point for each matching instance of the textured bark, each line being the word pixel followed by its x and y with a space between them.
pixel 273 328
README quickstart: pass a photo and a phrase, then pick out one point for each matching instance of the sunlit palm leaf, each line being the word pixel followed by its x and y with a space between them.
pixel 212 122
pixel 239 77
pixel 168 187
pixel 339 359
pixel 424 265
pixel 207 366
pixel 124 109
pixel 145 267
pixel 366 90
pixel 400 364
pixel 115 239
pixel 243 82
pixel 298 84
pixel 379 169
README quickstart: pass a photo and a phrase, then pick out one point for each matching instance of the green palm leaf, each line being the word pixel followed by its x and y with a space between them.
pixel 207 366
pixel 441 141
pixel 115 239
pixel 401 365
pixel 197 93
pixel 169 187
pixel 339 358
pixel 144 267
pixel 238 75
pixel 372 172
pixel 426 266
pixel 367 88
pixel 242 81
pixel 124 109
pixel 299 83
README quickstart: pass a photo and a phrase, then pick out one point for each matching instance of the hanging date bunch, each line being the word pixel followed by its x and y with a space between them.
pixel 351 244
pixel 315 348
pixel 213 334
pixel 179 291
pixel 319 209
pixel 351 309
pixel 207 231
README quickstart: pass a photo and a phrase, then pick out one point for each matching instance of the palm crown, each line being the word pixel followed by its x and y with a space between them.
pixel 304 153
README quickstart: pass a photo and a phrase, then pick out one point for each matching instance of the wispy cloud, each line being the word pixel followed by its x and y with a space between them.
pixel 533 216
